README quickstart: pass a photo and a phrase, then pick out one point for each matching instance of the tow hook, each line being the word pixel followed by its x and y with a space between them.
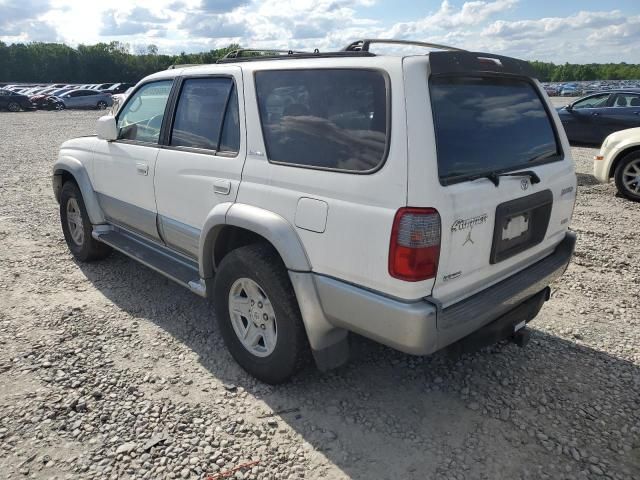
pixel 521 337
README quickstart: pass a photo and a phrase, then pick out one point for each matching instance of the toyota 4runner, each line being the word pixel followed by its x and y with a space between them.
pixel 418 200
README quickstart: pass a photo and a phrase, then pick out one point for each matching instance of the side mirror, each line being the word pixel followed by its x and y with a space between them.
pixel 107 129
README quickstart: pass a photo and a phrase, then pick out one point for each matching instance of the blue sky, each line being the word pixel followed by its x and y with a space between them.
pixel 579 31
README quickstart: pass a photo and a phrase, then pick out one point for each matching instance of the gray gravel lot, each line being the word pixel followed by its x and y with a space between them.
pixel 108 370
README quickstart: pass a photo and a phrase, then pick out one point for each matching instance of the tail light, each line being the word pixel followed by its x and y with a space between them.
pixel 415 244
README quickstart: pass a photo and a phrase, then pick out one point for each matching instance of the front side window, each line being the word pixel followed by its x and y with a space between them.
pixel 597 101
pixel 141 118
pixel 489 124
pixel 331 119
pixel 200 120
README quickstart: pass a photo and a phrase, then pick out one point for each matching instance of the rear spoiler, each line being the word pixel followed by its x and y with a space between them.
pixel 478 62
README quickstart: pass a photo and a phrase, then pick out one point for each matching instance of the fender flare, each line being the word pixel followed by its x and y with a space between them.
pixel 328 342
pixel 278 231
pixel 78 171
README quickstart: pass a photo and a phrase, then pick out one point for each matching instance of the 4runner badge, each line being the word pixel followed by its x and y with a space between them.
pixel 463 224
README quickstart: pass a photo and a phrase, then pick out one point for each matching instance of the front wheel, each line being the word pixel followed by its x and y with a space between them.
pixel 627 176
pixel 13 107
pixel 102 105
pixel 258 313
pixel 77 227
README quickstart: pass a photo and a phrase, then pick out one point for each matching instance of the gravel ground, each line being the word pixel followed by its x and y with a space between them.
pixel 108 370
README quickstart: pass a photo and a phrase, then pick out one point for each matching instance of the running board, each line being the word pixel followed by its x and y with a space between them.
pixel 158 258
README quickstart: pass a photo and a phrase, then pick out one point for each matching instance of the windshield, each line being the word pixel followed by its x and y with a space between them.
pixel 489 124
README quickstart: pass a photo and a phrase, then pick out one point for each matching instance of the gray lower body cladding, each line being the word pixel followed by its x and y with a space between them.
pixel 422 327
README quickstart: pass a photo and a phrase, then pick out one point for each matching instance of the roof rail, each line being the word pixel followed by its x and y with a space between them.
pixel 363 45
pixel 270 54
pixel 182 65
pixel 260 53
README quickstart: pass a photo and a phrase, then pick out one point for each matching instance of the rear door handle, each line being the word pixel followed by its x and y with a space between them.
pixel 595 114
pixel 142 168
pixel 221 186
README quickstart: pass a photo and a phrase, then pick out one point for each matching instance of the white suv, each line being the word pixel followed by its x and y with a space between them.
pixel 417 200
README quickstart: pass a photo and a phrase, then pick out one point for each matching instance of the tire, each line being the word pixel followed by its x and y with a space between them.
pixel 79 240
pixel 102 105
pixel 13 107
pixel 58 106
pixel 627 176
pixel 272 362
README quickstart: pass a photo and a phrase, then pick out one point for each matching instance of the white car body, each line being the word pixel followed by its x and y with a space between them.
pixel 614 147
pixel 331 228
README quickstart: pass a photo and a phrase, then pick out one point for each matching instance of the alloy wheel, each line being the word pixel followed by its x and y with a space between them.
pixel 74 222
pixel 631 177
pixel 253 317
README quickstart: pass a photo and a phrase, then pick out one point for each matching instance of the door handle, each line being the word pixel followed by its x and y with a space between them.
pixel 595 114
pixel 221 186
pixel 142 168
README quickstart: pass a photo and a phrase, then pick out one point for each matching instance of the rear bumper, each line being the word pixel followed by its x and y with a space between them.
pixel 422 327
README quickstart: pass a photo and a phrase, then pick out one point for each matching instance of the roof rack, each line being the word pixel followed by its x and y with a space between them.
pixel 182 65
pixel 363 45
pixel 271 54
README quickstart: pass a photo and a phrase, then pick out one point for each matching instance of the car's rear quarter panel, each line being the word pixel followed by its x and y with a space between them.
pixel 354 246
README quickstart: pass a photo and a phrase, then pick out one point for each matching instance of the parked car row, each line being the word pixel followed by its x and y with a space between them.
pixel 576 89
pixel 16 97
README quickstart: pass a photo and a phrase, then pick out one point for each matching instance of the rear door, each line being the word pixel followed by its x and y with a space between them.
pixel 481 122
pixel 624 112
pixel 200 163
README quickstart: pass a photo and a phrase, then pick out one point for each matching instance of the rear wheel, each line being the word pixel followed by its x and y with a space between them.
pixel 258 313
pixel 77 227
pixel 13 107
pixel 102 105
pixel 627 176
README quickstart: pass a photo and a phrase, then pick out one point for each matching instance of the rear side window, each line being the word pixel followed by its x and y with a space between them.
pixel 329 119
pixel 489 124
pixel 200 120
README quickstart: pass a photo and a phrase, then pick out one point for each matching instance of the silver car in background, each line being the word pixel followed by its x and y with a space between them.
pixel 85 98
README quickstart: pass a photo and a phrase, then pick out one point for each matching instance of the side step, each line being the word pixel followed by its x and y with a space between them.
pixel 158 258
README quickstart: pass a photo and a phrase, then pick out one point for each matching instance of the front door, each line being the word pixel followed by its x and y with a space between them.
pixel 201 163
pixel 124 169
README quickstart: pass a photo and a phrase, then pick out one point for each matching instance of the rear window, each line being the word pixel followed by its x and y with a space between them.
pixel 329 119
pixel 489 124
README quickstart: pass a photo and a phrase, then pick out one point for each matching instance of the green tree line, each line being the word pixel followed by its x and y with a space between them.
pixel 111 62
pixel 103 62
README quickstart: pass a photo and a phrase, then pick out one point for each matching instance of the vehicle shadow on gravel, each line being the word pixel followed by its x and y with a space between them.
pixel 585 179
pixel 390 415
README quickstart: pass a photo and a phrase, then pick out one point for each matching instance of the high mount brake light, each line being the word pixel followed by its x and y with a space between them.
pixel 414 249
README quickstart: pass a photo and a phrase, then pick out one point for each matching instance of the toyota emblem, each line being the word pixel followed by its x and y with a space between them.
pixel 524 184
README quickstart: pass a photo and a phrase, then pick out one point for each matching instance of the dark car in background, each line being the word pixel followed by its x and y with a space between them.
pixel 591 119
pixel 47 102
pixel 14 102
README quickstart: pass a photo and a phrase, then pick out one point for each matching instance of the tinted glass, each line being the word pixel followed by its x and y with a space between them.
pixel 596 101
pixel 488 124
pixel 627 100
pixel 200 112
pixel 141 117
pixel 324 118
pixel 230 137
